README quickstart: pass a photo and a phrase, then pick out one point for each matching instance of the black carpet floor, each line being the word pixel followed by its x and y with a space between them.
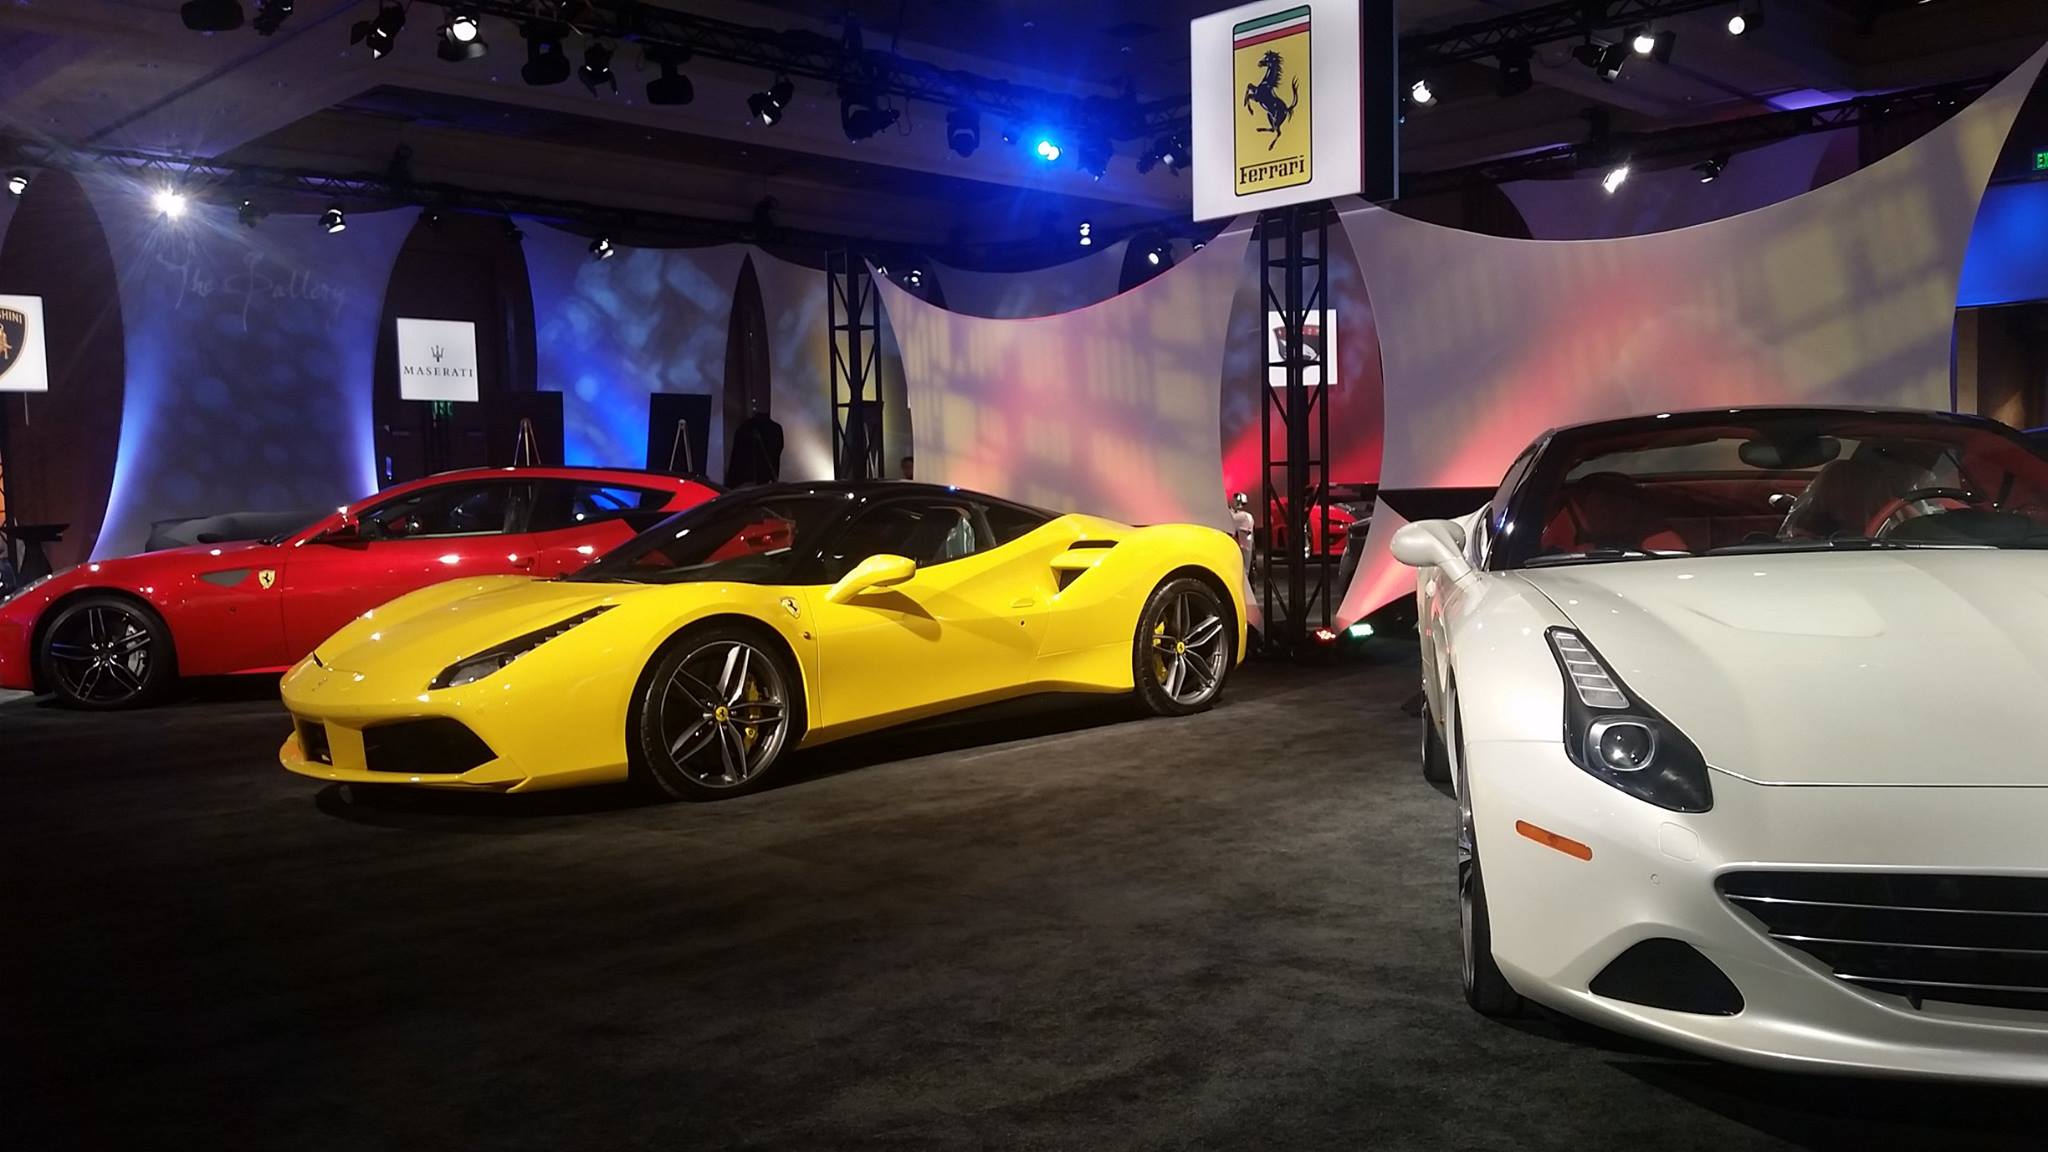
pixel 1039 928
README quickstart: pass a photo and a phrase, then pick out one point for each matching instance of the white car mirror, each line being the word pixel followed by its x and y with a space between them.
pixel 1433 544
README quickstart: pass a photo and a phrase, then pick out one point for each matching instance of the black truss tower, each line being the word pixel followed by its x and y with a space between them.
pixel 1295 580
pixel 854 312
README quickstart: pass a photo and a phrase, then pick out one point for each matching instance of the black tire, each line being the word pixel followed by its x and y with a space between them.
pixel 1486 990
pixel 1185 647
pixel 690 736
pixel 1436 763
pixel 106 653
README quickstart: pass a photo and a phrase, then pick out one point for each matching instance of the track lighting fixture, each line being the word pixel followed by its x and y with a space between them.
pixel 597 68
pixel 461 37
pixel 768 106
pixel 211 15
pixel 380 34
pixel 963 131
pixel 334 221
pixel 546 63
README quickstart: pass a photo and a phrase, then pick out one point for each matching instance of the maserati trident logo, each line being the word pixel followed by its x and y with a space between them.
pixel 13 338
pixel 437 353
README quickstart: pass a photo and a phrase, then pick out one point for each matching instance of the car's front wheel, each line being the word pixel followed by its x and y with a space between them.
pixel 1184 649
pixel 716 714
pixel 1486 990
pixel 104 653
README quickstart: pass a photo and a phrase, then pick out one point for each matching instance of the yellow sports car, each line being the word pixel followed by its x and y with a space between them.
pixel 695 655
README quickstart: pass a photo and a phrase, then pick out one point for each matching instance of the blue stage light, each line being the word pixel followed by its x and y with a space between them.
pixel 1048 151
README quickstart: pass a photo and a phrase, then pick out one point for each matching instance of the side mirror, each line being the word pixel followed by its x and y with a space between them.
pixel 1433 544
pixel 881 571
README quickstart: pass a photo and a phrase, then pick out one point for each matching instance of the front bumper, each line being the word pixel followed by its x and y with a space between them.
pixel 1558 921
pixel 541 732
pixel 17 663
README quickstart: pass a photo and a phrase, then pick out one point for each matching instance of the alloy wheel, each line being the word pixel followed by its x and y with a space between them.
pixel 724 713
pixel 101 654
pixel 1190 652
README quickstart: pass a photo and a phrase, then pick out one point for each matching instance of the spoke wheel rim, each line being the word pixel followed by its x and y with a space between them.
pixel 101 654
pixel 724 714
pixel 1468 866
pixel 1190 647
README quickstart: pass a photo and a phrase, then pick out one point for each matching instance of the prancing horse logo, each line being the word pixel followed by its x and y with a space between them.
pixel 267 577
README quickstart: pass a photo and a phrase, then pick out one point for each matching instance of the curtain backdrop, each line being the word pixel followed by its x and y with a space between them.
pixel 799 364
pixel 249 354
pixel 1044 292
pixel 1659 201
pixel 612 332
pixel 1110 410
pixel 1845 295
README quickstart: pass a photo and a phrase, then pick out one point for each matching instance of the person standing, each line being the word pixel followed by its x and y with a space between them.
pixel 909 467
pixel 1242 526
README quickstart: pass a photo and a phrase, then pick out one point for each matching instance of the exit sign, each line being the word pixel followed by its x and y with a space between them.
pixel 2041 161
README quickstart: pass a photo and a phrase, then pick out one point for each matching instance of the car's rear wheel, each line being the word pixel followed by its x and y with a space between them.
pixel 1184 648
pixel 1486 990
pixel 104 653
pixel 716 714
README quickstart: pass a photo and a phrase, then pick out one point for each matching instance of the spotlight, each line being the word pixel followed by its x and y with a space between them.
pixel 1515 77
pixel 1154 256
pixel 1420 93
pixel 461 38
pixel 1047 150
pixel 1615 178
pixel 334 221
pixel 860 117
pixel 1745 21
pixel 1148 160
pixel 1175 154
pixel 602 248
pixel 1605 60
pixel 1093 155
pixel 545 61
pixel 768 106
pixel 17 182
pixel 211 15
pixel 1710 169
pixel 963 131
pixel 170 203
pixel 1639 38
pixel 915 278
pixel 381 34
pixel 1664 43
pixel 1087 234
pixel 248 213
pixel 597 69
pixel 671 88
pixel 270 16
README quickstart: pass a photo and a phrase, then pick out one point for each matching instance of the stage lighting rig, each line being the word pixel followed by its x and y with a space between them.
pixel 1615 178
pixel 1747 19
pixel 1047 150
pixel 546 63
pixel 461 37
pixel 1606 60
pixel 270 16
pixel 211 15
pixel 17 182
pixel 169 203
pixel 248 213
pixel 768 106
pixel 602 249
pixel 963 131
pixel 597 69
pixel 671 88
pixel 1092 153
pixel 1710 169
pixel 861 116
pixel 334 221
pixel 380 34
pixel 1087 234
pixel 1515 75
pixel 1421 94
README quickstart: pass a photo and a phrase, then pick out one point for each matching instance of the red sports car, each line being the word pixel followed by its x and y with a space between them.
pixel 115 633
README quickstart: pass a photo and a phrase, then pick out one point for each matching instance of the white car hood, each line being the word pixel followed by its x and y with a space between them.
pixel 1921 667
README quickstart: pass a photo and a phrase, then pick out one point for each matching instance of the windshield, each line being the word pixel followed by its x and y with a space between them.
pixel 743 538
pixel 1778 481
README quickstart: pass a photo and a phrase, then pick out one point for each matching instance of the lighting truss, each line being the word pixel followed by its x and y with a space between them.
pixel 1565 20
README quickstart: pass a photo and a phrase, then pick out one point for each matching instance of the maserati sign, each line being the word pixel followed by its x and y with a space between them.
pixel 436 359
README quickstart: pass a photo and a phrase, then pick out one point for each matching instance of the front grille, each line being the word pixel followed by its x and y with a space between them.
pixel 313 739
pixel 424 748
pixel 1959 939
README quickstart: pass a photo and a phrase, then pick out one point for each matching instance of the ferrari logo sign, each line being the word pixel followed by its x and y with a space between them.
pixel 1274 137
pixel 268 578
pixel 13 338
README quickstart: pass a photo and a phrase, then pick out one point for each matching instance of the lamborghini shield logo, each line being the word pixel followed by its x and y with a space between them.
pixel 267 577
pixel 13 338
pixel 1272 140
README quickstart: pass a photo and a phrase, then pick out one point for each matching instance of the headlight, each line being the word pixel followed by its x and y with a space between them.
pixel 490 660
pixel 25 589
pixel 1612 734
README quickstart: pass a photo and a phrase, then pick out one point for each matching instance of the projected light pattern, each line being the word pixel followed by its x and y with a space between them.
pixel 610 332
pixel 799 364
pixel 1109 410
pixel 249 356
pixel 2008 257
pixel 1042 292
pixel 1845 295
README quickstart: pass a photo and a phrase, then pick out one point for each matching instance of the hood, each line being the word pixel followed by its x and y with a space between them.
pixel 438 626
pixel 1924 668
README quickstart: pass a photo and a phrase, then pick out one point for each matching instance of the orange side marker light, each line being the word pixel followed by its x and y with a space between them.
pixel 1549 839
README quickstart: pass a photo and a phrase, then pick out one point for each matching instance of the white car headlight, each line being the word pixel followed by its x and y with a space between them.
pixel 476 667
pixel 1611 733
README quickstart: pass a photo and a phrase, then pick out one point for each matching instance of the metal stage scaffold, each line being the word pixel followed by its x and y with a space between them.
pixel 1295 578
pixel 854 314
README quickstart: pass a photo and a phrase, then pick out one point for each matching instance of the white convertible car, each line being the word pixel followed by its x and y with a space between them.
pixel 1745 713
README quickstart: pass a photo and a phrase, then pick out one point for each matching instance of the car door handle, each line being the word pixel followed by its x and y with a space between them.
pixel 524 563
pixel 1022 602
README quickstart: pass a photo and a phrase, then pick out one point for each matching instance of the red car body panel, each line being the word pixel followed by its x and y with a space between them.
pixel 257 607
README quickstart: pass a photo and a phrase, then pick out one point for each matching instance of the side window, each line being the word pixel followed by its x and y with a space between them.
pixel 1496 520
pixel 445 510
pixel 573 503
pixel 927 532
pixel 1006 523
